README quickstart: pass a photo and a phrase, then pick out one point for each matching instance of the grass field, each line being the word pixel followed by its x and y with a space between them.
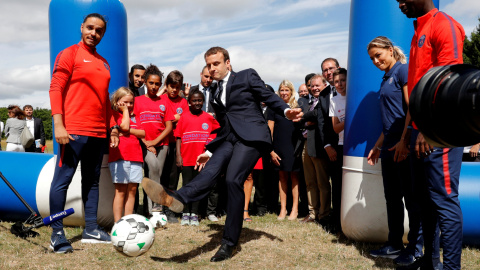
pixel 265 243
pixel 49 144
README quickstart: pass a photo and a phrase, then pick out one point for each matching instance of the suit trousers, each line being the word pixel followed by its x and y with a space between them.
pixel 316 172
pixel 236 158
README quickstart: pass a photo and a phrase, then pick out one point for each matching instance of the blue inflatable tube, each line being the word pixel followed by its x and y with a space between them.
pixel 22 170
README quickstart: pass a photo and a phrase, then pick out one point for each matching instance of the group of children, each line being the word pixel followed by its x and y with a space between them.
pixel 148 125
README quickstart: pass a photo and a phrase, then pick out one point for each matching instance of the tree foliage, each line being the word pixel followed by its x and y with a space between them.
pixel 471 48
pixel 44 114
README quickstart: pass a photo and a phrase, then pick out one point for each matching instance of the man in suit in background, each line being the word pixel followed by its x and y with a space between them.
pixel 319 151
pixel 242 138
pixel 35 125
pixel 204 87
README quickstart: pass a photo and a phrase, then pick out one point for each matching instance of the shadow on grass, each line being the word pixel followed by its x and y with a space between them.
pixel 364 249
pixel 26 239
pixel 216 237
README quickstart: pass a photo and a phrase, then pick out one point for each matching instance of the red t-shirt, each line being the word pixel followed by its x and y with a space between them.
pixel 129 146
pixel 177 105
pixel 195 132
pixel 152 114
pixel 438 41
pixel 79 91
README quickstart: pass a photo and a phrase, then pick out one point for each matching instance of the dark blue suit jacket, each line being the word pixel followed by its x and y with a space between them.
pixel 244 92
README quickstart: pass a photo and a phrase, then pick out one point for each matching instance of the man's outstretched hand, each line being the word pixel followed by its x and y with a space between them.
pixel 294 114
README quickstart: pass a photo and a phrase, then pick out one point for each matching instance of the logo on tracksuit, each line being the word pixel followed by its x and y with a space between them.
pixel 421 41
pixel 205 126
pixel 162 108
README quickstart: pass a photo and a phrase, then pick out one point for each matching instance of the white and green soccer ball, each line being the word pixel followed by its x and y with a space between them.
pixel 133 235
pixel 158 219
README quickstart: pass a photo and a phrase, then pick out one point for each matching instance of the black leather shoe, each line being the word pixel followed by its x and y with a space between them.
pixel 225 252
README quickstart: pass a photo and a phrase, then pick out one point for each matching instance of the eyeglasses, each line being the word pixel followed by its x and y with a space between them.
pixel 331 69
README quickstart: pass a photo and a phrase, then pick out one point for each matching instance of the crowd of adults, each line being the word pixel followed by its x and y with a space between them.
pixel 16 123
pixel 296 161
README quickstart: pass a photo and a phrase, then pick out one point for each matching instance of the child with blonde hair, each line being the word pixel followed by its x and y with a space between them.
pixel 126 161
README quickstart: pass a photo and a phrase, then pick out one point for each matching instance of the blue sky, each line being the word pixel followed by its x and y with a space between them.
pixel 280 39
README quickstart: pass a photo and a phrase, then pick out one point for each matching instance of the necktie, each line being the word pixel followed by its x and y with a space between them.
pixel 218 98
pixel 314 103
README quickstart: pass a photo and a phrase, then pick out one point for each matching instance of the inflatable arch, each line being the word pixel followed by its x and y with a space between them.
pixel 363 211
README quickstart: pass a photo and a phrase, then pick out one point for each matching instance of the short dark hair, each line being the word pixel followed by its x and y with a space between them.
pixel 308 77
pixel 136 66
pixel 27 107
pixel 340 71
pixel 174 77
pixel 98 16
pixel 215 50
pixel 196 92
pixel 152 70
pixel 330 59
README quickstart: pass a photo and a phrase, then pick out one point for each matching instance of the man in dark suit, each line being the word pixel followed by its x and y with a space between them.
pixel 242 138
pixel 211 202
pixel 35 125
pixel 204 87
pixel 319 151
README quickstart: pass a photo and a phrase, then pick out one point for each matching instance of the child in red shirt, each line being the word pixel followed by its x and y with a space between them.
pixel 177 105
pixel 153 114
pixel 126 160
pixel 193 132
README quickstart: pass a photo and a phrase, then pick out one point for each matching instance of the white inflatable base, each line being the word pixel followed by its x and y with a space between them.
pixel 363 209
pixel 74 195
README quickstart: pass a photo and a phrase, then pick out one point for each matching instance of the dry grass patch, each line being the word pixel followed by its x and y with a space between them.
pixel 265 243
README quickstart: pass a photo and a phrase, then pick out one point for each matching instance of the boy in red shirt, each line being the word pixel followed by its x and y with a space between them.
pixel 177 106
pixel 193 132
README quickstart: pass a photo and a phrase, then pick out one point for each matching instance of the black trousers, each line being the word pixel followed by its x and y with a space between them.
pixel 236 158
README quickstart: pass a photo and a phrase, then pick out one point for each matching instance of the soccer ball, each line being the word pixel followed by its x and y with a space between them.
pixel 133 235
pixel 158 219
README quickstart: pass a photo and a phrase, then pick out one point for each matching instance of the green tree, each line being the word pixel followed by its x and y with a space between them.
pixel 46 116
pixel 471 48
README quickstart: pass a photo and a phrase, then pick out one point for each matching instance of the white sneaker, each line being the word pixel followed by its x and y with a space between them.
pixel 185 219
pixel 212 218
pixel 194 220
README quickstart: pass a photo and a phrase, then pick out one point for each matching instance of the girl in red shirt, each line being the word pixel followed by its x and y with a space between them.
pixel 155 117
pixel 193 132
pixel 126 160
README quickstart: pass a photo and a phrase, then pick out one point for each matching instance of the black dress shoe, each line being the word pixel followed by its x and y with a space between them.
pixel 225 252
